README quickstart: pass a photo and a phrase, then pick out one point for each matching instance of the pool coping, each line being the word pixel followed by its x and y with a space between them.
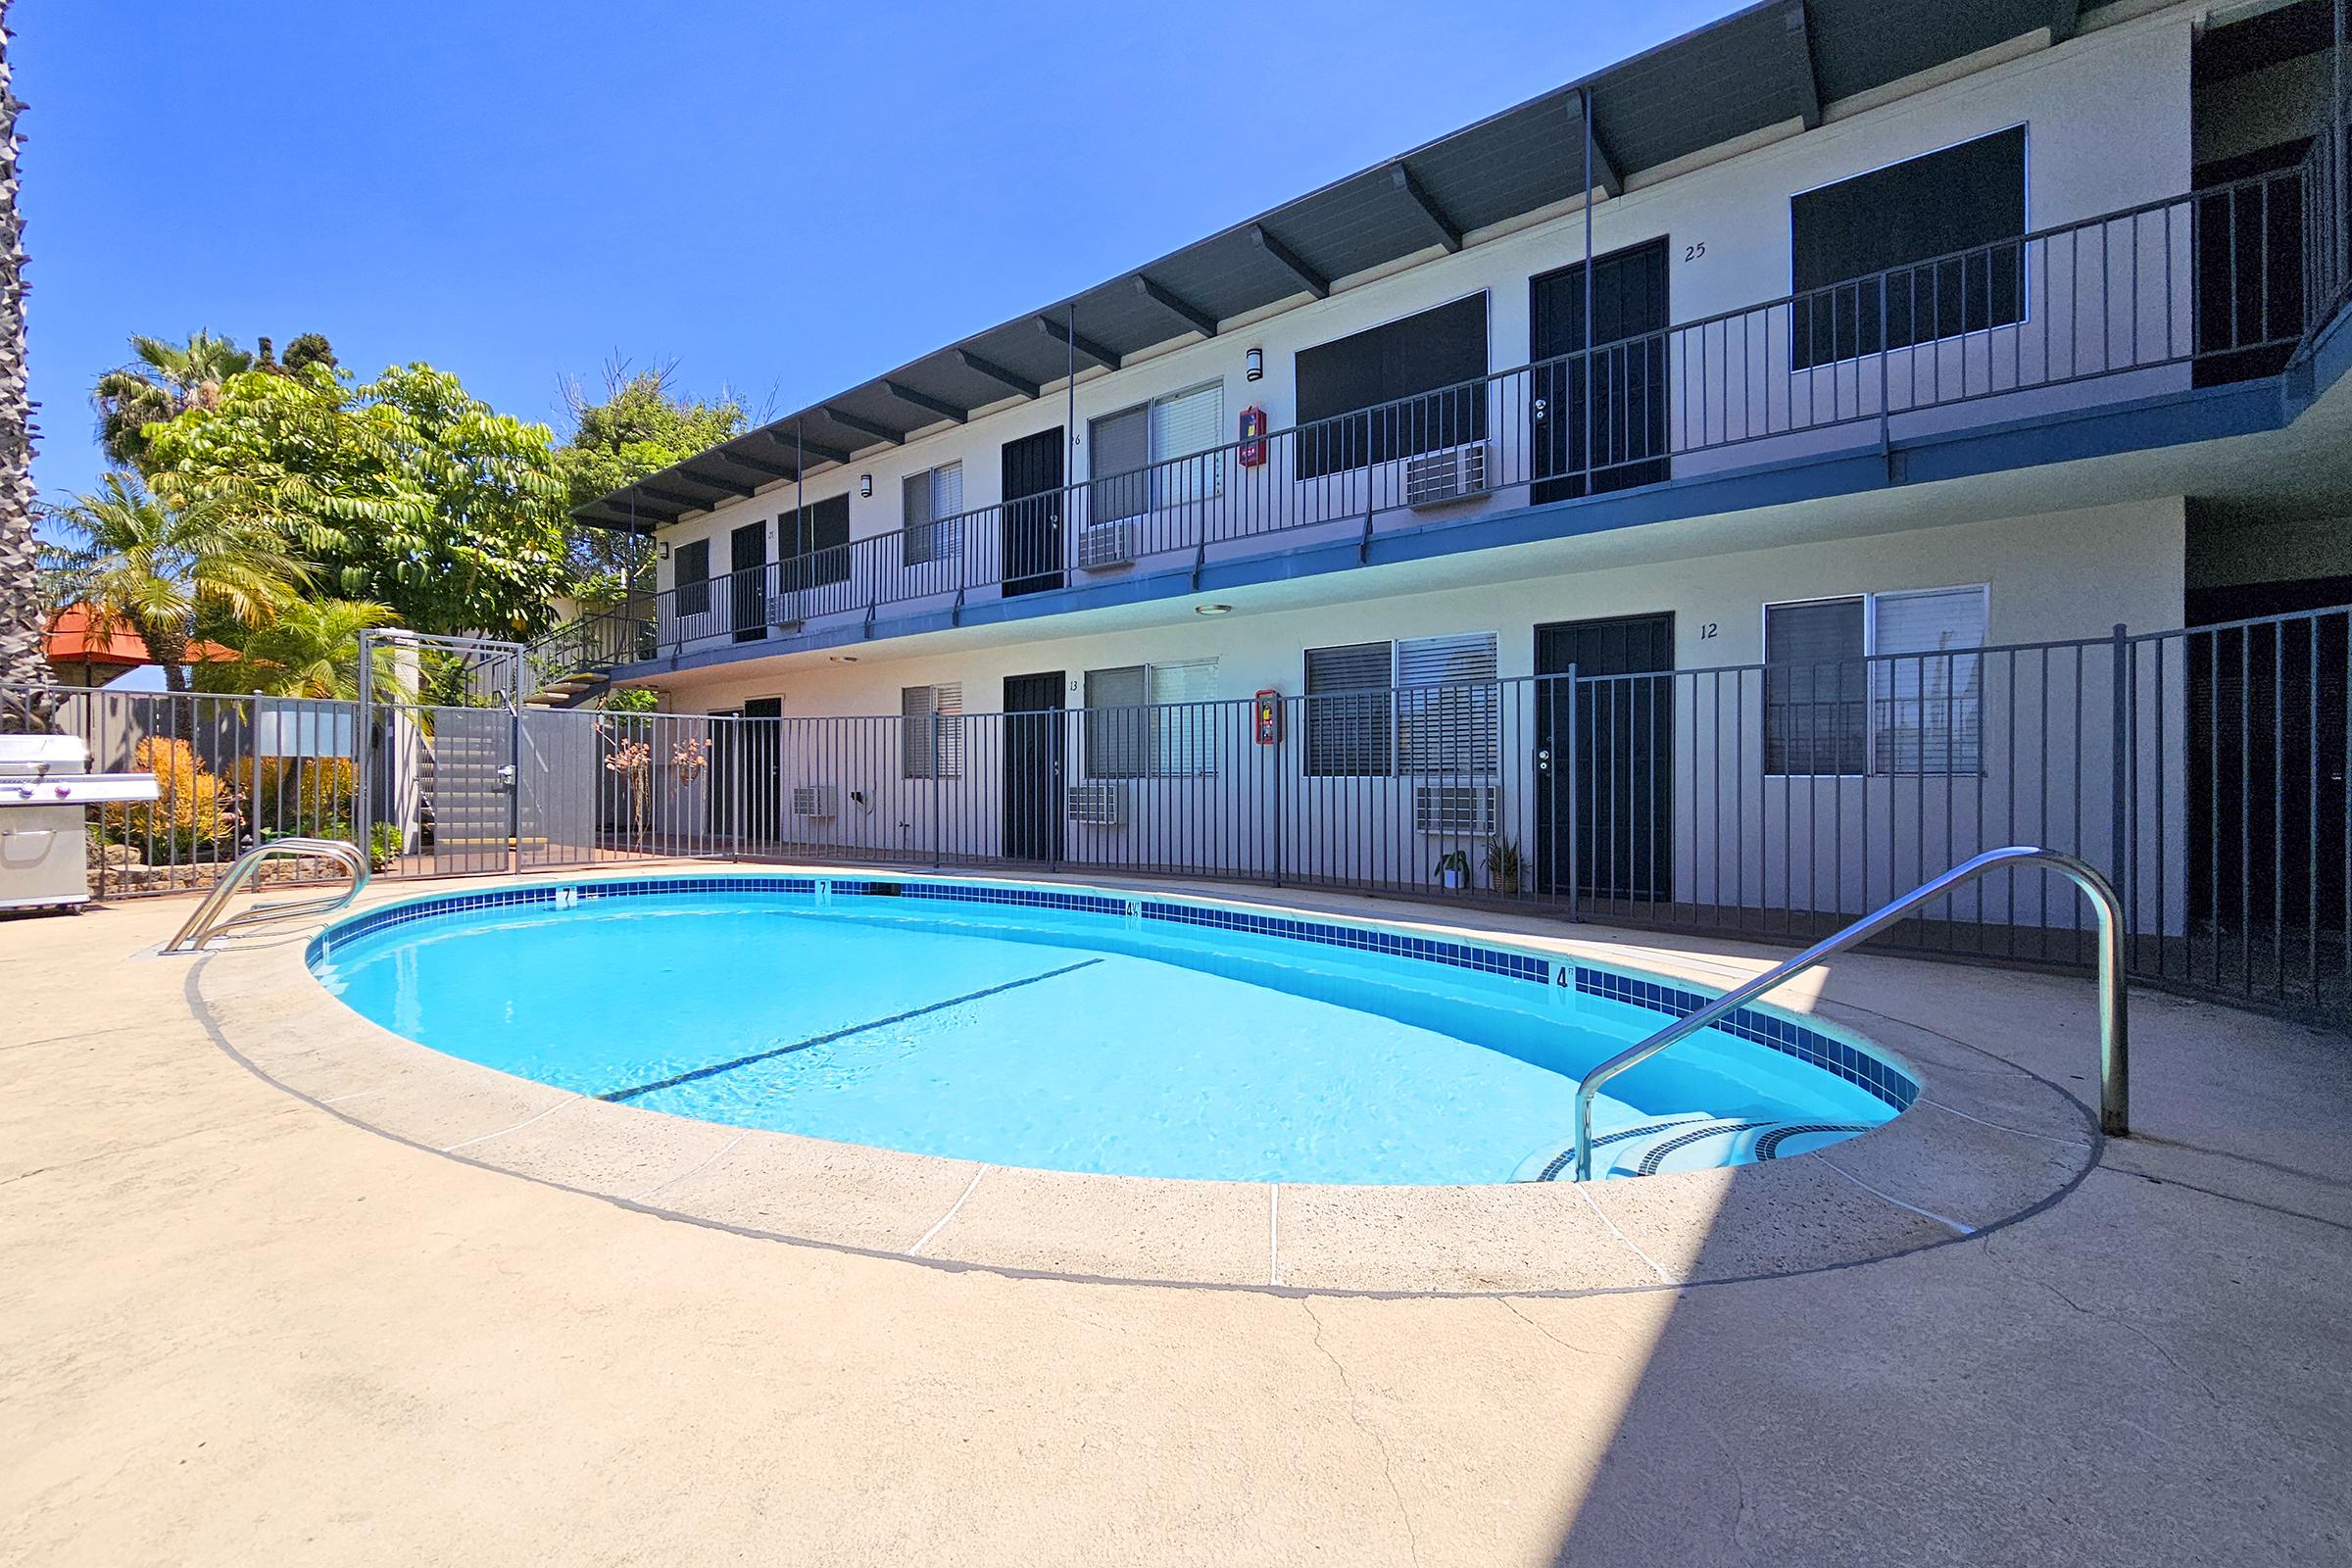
pixel 1986 1143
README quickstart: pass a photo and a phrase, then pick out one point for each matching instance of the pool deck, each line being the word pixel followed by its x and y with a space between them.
pixel 275 1287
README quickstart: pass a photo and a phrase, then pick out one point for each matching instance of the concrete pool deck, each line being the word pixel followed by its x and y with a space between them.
pixel 238 1325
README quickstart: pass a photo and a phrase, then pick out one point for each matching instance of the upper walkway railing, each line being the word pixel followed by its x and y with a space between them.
pixel 2213 286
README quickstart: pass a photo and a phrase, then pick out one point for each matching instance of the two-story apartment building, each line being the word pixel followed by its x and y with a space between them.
pixel 1807 386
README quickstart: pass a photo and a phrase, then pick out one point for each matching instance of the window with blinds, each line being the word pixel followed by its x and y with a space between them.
pixel 1814 718
pixel 1393 391
pixel 932 514
pixel 1446 705
pixel 1178 439
pixel 1925 707
pixel 931 732
pixel 1420 707
pixel 1150 722
pixel 690 574
pixel 814 545
pixel 1887 684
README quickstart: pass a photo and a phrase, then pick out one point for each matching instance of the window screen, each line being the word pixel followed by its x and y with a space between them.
pixel 1446 705
pixel 931 730
pixel 933 507
pixel 1349 731
pixel 1386 370
pixel 690 571
pixel 1926 704
pixel 1117 725
pixel 1120 448
pixel 1813 686
pixel 815 544
pixel 1944 228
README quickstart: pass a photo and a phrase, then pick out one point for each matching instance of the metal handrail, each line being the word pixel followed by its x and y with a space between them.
pixel 205 923
pixel 2114 1038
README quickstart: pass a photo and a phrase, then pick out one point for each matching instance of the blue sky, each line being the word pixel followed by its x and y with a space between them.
pixel 783 199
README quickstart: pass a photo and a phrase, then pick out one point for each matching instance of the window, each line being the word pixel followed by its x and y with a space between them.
pixel 1422 706
pixel 1386 369
pixel 933 520
pixel 1946 228
pixel 1153 720
pixel 1884 683
pixel 813 544
pixel 1182 424
pixel 931 732
pixel 690 572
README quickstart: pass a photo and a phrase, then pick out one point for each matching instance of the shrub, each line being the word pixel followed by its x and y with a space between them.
pixel 194 810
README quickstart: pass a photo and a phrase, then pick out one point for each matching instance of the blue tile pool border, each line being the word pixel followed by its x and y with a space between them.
pixel 1810 1046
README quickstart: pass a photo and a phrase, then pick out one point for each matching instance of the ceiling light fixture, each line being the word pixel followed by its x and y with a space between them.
pixel 1212 610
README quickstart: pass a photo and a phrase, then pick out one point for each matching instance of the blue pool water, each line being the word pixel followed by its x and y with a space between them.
pixel 1070 1039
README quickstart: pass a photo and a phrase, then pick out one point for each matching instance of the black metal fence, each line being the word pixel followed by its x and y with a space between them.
pixel 2202 769
pixel 2218 284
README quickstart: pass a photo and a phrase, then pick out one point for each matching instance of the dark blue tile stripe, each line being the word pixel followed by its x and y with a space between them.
pixel 1784 1035
pixel 1426 950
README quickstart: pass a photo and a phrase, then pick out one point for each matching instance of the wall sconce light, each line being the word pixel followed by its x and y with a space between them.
pixel 865 484
pixel 1253 365
pixel 664 550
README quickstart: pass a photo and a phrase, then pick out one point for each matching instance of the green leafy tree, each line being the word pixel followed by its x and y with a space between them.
pixel 641 426
pixel 156 565
pixel 405 491
pixel 311 648
pixel 161 381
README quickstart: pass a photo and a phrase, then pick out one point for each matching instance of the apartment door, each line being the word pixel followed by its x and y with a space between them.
pixel 748 591
pixel 1033 766
pixel 1621 748
pixel 762 743
pixel 1618 413
pixel 1032 513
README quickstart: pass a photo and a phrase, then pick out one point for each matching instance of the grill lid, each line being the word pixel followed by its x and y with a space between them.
pixel 42 753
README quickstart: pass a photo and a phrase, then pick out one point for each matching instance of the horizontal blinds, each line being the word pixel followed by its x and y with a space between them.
pixel 1347 716
pixel 1813 683
pixel 1188 426
pixel 1184 719
pixel 934 499
pixel 1121 448
pixel 919 756
pixel 1925 707
pixel 1446 705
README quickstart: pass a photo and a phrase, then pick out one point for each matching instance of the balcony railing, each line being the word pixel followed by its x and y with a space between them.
pixel 2213 286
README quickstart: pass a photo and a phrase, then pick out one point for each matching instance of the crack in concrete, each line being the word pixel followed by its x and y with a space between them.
pixel 1513 1309
pixel 2117 1319
pixel 1388 1470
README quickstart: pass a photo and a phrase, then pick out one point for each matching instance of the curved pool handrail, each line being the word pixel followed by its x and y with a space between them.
pixel 205 923
pixel 2114 1038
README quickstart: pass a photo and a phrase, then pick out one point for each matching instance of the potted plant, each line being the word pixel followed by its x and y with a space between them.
pixel 1505 866
pixel 1452 869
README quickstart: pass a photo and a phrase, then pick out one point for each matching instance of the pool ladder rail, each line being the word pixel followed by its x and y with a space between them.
pixel 2115 1056
pixel 207 921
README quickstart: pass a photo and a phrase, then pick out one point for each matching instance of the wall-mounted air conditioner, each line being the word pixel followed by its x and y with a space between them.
pixel 1454 811
pixel 815 800
pixel 1103 805
pixel 1442 478
pixel 784 610
pixel 1106 544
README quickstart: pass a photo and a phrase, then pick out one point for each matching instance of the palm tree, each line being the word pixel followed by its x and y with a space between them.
pixel 23 615
pixel 311 648
pixel 152 566
pixel 162 380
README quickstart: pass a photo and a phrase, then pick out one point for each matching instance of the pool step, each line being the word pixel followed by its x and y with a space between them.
pixel 1691 1142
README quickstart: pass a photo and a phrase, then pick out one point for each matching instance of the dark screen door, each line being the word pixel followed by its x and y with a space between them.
pixel 1032 519
pixel 747 549
pixel 1033 763
pixel 1620 424
pixel 763 748
pixel 1623 757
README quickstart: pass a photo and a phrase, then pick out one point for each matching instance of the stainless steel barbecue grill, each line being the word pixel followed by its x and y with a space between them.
pixel 45 790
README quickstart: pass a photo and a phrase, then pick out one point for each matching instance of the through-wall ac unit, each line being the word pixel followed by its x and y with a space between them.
pixel 1106 544
pixel 1454 811
pixel 1103 805
pixel 815 800
pixel 784 610
pixel 1442 478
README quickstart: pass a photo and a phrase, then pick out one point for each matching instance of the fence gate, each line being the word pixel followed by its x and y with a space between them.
pixel 456 777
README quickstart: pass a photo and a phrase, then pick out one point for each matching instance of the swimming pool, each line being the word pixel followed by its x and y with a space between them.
pixel 1083 1030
